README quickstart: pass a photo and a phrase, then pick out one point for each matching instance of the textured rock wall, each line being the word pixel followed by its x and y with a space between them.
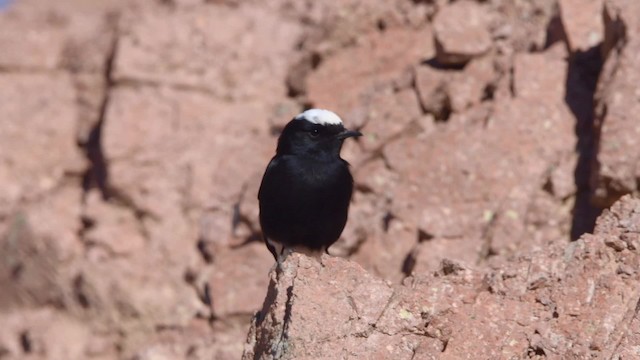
pixel 133 135
pixel 576 301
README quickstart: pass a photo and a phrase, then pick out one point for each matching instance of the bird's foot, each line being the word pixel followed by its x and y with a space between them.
pixel 282 256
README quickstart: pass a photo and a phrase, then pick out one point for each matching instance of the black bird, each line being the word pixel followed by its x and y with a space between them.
pixel 306 189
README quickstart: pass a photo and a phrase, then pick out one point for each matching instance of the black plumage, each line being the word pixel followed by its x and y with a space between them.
pixel 306 189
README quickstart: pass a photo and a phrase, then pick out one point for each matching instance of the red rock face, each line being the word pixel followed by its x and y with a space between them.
pixel 540 305
pixel 583 23
pixel 461 32
pixel 134 134
pixel 617 100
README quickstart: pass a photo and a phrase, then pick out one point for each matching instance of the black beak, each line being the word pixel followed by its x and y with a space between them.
pixel 349 133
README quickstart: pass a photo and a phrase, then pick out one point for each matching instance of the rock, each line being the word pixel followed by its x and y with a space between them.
pixel 28 136
pixel 43 334
pixel 389 115
pixel 583 23
pixel 444 91
pixel 376 62
pixel 231 297
pixel 564 301
pixel 550 218
pixel 169 167
pixel 417 197
pixel 628 347
pixel 30 270
pixel 385 253
pixel 597 290
pixel 29 41
pixel 114 228
pixel 79 40
pixel 427 254
pixel 432 88
pixel 617 170
pixel 56 220
pixel 90 38
pixel 614 26
pixel 92 91
pixel 193 342
pixel 518 27
pixel 541 76
pixel 486 166
pixel 561 179
pixel 186 2
pixel 90 45
pixel 188 48
pixel 466 181
pixel 114 289
pixel 461 32
pixel 364 208
pixel 375 176
pixel 150 152
pixel 470 86
pixel 245 222
pixel 342 23
pixel 300 319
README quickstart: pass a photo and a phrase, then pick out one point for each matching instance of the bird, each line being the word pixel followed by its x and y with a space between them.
pixel 306 188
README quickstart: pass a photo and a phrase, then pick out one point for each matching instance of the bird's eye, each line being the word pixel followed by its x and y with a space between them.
pixel 314 133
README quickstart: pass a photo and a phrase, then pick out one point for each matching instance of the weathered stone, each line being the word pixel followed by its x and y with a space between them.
pixel 152 251
pixel 92 91
pixel 230 296
pixel 541 76
pixel 43 334
pixel 301 320
pixel 385 252
pixel 171 147
pixel 547 303
pixel 468 87
pixel 524 26
pixel 31 128
pixel 389 114
pixel 29 42
pixel 583 23
pixel 485 167
pixel 56 219
pixel 358 72
pixel 618 170
pixel 114 228
pixel 431 85
pixel 189 48
pixel 196 341
pixel 114 289
pixel 461 32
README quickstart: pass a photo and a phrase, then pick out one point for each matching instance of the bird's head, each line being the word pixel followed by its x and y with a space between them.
pixel 315 132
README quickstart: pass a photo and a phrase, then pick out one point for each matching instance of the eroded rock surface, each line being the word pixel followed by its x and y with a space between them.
pixel 134 133
pixel 573 301
pixel 618 160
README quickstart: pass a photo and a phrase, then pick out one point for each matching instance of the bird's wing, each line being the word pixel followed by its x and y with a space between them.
pixel 266 177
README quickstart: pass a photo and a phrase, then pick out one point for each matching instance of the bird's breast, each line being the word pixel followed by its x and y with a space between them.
pixel 324 174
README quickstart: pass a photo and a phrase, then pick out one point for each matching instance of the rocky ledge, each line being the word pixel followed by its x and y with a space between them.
pixel 575 301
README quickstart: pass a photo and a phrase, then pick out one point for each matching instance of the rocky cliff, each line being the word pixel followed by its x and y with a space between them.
pixel 133 135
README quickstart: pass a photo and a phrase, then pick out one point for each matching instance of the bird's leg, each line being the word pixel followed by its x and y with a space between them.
pixel 282 255
pixel 276 249
pixel 279 260
pixel 272 250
